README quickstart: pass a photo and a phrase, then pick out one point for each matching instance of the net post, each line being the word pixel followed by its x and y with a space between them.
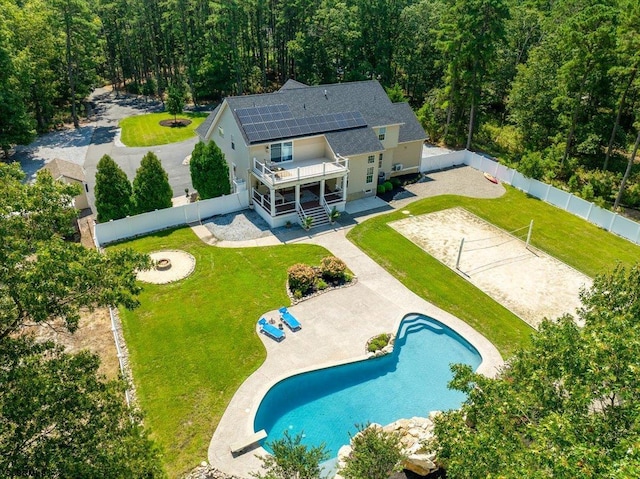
pixel 459 253
pixel 529 234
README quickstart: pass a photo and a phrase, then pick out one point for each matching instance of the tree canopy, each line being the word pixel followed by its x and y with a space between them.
pixel 566 407
pixel 209 171
pixel 547 87
pixel 58 418
pixel 151 189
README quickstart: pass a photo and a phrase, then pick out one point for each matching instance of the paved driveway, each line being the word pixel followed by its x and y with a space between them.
pixel 98 137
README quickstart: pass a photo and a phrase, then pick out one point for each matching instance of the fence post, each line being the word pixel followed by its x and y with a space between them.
pixel 613 219
pixel 546 195
pixel 588 218
pixel 566 207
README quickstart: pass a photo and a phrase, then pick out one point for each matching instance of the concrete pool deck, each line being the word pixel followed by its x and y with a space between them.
pixel 335 328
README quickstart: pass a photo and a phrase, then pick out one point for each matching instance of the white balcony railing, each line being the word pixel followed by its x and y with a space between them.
pixel 277 174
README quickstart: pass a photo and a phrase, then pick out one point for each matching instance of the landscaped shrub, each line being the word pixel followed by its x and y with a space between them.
pixel 301 278
pixel 321 284
pixel 395 182
pixel 387 186
pixel 379 342
pixel 332 268
pixel 381 189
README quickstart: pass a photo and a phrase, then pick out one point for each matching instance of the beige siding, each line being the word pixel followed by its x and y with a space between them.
pixel 238 156
pixel 358 187
pixel 410 155
pixel 309 148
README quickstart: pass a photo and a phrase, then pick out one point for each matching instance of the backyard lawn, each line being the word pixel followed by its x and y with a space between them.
pixel 581 245
pixel 193 343
pixel 145 130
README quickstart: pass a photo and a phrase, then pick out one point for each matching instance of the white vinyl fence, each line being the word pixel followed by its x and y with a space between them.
pixel 161 219
pixel 594 214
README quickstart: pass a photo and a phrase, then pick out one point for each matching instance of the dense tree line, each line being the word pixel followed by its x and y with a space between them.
pixel 551 86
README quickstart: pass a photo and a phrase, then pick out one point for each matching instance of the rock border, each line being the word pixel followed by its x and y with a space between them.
pixel 388 349
pixel 294 300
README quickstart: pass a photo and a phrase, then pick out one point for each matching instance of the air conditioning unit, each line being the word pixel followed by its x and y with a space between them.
pixel 397 167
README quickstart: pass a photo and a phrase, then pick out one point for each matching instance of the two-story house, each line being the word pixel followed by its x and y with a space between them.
pixel 304 150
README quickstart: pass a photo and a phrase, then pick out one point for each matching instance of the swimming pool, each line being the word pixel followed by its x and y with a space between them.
pixel 326 404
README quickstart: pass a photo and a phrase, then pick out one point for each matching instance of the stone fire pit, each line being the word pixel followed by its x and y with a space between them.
pixel 169 266
pixel 163 264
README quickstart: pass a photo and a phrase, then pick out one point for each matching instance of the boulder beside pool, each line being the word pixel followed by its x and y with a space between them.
pixel 414 433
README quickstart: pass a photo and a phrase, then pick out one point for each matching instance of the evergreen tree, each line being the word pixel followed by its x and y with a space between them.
pixel 113 191
pixel 209 171
pixel 151 189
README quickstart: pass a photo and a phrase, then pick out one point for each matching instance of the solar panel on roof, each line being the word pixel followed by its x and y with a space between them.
pixel 272 122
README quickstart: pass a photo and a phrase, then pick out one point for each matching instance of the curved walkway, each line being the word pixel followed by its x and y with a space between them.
pixel 336 326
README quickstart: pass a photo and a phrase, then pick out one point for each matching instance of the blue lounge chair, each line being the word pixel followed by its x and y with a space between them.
pixel 270 330
pixel 289 319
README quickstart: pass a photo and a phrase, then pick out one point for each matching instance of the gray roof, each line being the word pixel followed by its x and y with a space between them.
pixel 292 84
pixel 411 129
pixel 206 124
pixel 354 142
pixel 366 97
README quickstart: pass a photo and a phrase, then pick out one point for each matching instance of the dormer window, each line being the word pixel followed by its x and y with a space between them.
pixel 382 133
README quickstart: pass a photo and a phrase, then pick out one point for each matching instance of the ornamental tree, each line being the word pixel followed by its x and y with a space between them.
pixel 151 189
pixel 113 191
pixel 567 406
pixel 175 101
pixel 209 171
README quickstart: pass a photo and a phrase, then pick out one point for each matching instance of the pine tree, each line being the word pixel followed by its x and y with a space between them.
pixel 151 189
pixel 113 191
pixel 209 171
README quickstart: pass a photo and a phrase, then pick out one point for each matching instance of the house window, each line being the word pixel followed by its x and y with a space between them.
pixel 221 131
pixel 369 175
pixel 382 132
pixel 380 161
pixel 371 158
pixel 233 145
pixel 282 151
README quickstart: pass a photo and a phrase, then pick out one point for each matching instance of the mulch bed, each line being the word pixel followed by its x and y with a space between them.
pixel 404 180
pixel 178 123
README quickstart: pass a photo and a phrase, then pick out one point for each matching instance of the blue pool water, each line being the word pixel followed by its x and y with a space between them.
pixel 326 404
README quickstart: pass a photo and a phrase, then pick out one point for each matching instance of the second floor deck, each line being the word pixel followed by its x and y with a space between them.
pixel 300 171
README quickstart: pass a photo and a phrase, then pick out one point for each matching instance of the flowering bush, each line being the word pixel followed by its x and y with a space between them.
pixel 332 268
pixel 301 278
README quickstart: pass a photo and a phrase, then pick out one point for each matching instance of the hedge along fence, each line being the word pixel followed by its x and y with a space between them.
pixel 167 218
pixel 601 217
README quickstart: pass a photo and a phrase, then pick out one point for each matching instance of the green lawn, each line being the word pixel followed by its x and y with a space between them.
pixel 584 246
pixel 192 343
pixel 145 130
